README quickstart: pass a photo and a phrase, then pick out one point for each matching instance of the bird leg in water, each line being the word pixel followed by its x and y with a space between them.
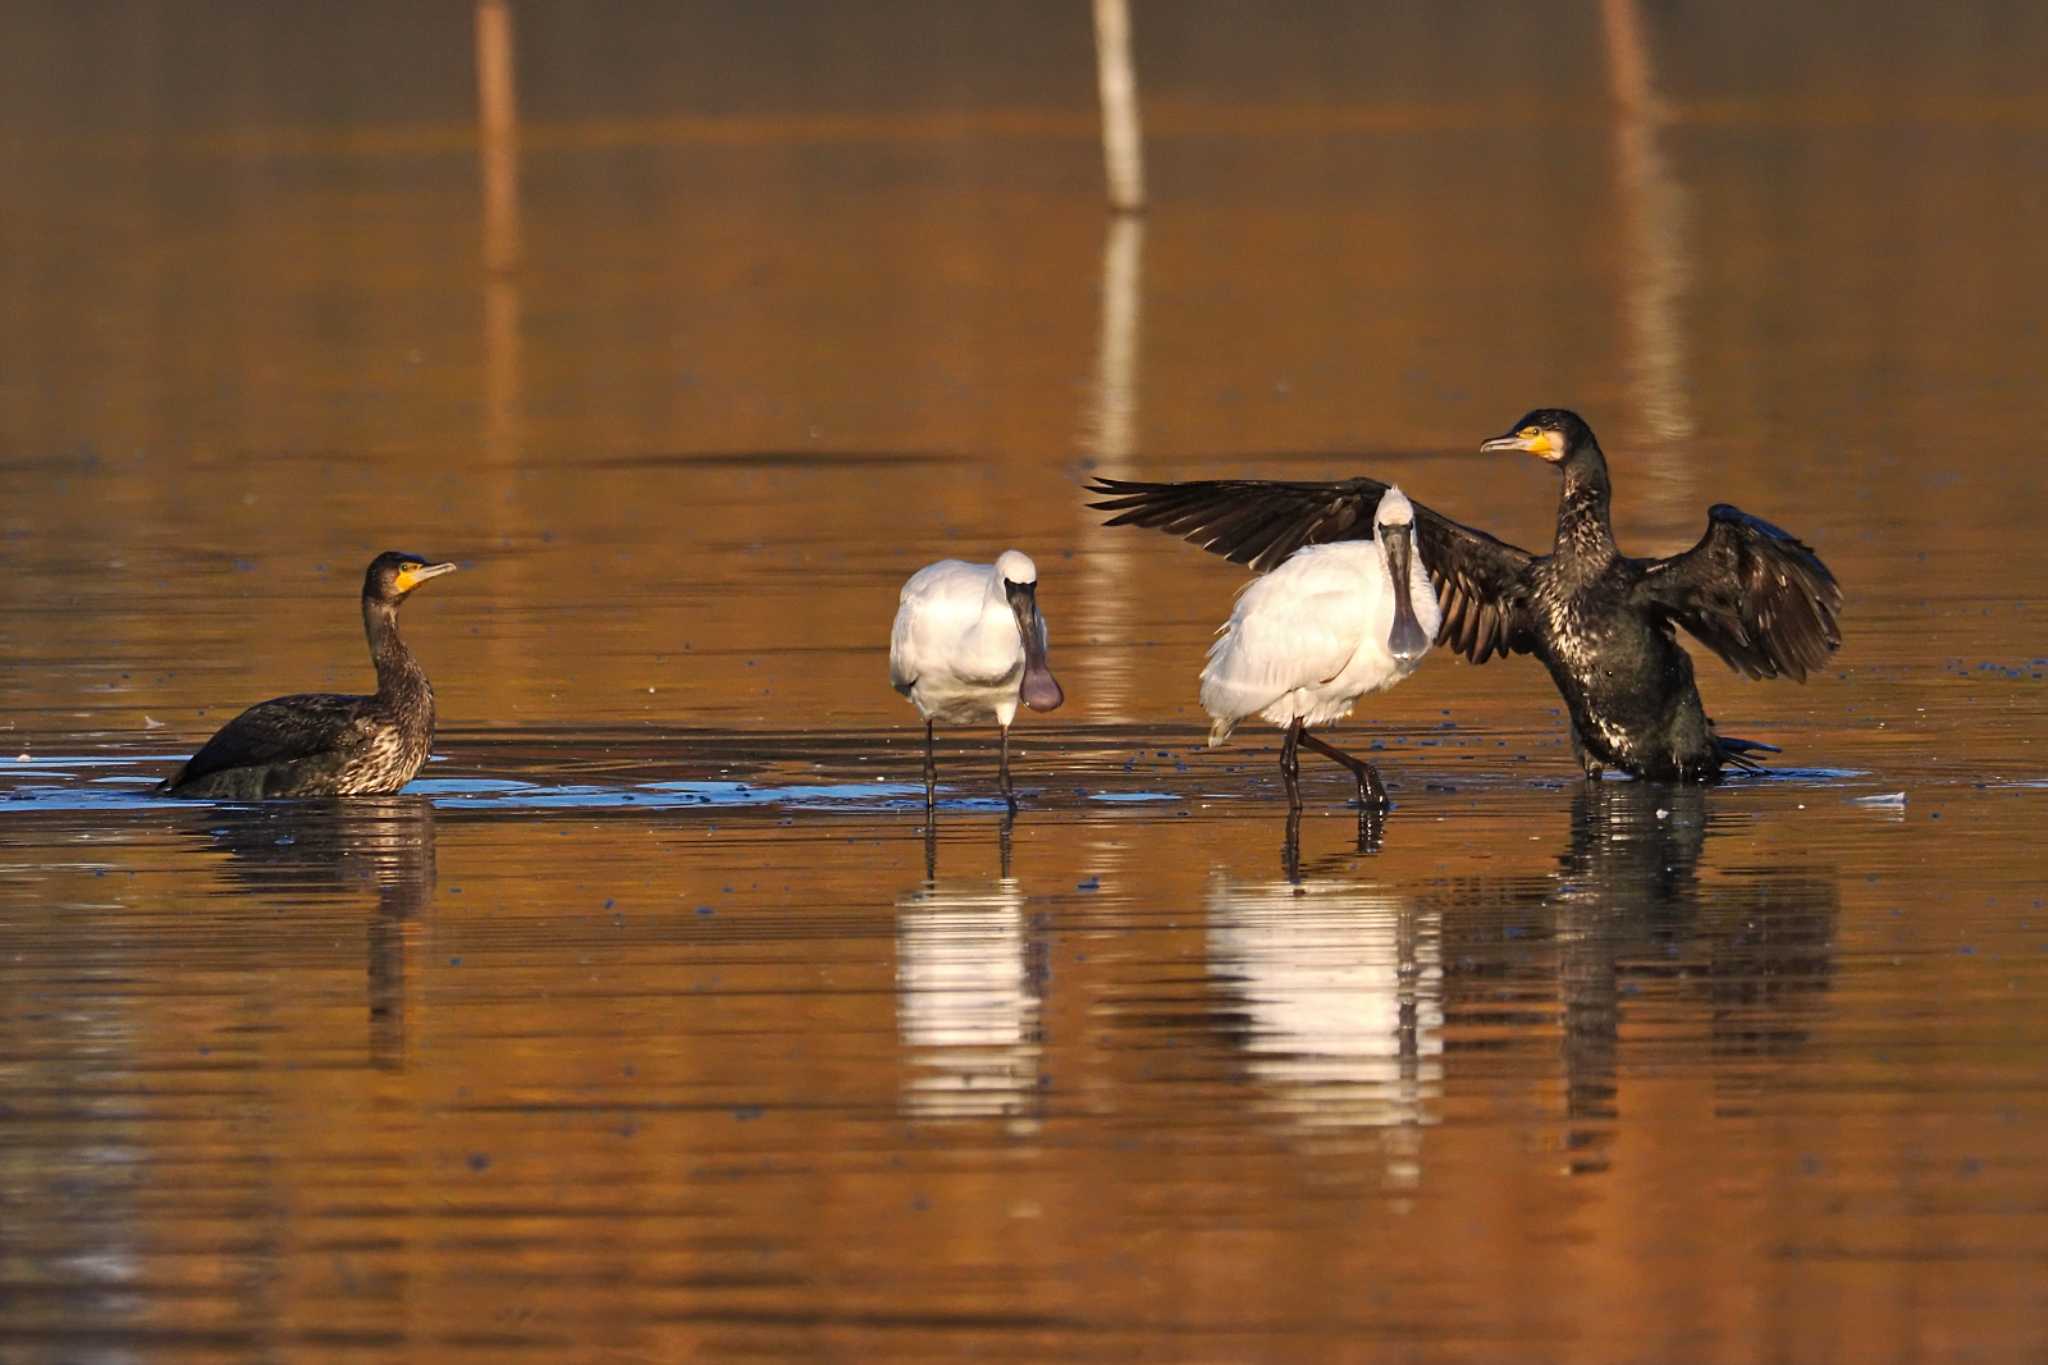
pixel 1593 766
pixel 1009 792
pixel 1372 824
pixel 931 772
pixel 1003 841
pixel 1290 765
pixel 1290 852
pixel 1371 795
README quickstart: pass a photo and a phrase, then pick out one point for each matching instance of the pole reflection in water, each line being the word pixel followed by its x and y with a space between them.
pixel 382 846
pixel 1339 987
pixel 1655 217
pixel 1633 918
pixel 969 982
pixel 498 171
pixel 1109 433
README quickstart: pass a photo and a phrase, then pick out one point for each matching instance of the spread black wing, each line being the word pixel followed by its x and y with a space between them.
pixel 1753 594
pixel 277 731
pixel 1480 582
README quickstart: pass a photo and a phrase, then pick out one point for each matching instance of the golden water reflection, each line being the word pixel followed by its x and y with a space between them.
pixel 1542 1070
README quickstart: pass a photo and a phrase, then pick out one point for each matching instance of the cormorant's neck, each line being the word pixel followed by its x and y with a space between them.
pixel 1583 529
pixel 398 672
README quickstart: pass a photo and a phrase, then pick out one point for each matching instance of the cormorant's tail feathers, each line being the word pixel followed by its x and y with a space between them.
pixel 1735 753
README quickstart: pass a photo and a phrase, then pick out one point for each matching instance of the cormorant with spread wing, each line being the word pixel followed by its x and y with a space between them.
pixel 1601 622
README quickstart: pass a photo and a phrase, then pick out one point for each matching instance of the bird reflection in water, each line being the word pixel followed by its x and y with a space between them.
pixel 1630 917
pixel 1343 987
pixel 379 846
pixel 1338 986
pixel 1372 829
pixel 970 980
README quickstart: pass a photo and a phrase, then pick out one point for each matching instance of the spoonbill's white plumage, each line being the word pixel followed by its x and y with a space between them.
pixel 969 644
pixel 1330 624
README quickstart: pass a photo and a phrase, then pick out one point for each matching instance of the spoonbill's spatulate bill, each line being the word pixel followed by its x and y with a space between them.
pixel 969 644
pixel 1307 640
pixel 1603 624
pixel 322 745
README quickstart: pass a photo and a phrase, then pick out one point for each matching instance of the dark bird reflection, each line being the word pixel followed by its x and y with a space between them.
pixel 1630 913
pixel 1342 984
pixel 381 847
pixel 970 977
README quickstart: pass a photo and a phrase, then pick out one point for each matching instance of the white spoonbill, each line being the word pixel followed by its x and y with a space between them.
pixel 968 644
pixel 1306 641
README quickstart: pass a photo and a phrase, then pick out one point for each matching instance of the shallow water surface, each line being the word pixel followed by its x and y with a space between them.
pixel 654 1021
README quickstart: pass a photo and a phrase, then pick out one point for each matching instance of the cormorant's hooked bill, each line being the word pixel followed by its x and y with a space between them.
pixel 394 574
pixel 412 576
pixel 1549 434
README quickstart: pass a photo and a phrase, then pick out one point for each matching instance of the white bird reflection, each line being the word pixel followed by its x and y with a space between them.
pixel 968 1001
pixel 1341 987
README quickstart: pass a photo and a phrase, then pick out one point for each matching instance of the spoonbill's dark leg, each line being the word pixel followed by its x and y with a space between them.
pixel 1290 852
pixel 1371 795
pixel 1003 841
pixel 1009 793
pixel 931 772
pixel 931 851
pixel 1371 825
pixel 1290 765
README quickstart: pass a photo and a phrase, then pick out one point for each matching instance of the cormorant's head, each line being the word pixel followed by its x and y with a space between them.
pixel 1039 690
pixel 392 575
pixel 1552 434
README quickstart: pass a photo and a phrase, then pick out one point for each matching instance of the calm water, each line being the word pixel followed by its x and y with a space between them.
pixel 653 1023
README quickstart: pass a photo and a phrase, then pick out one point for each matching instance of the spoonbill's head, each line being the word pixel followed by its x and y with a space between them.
pixel 393 574
pixel 1393 526
pixel 1551 434
pixel 1040 690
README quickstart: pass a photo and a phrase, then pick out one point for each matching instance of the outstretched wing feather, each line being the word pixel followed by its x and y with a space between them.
pixel 1754 594
pixel 1479 580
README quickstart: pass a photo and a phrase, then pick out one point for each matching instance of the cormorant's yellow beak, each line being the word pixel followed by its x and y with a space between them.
pixel 408 579
pixel 1544 445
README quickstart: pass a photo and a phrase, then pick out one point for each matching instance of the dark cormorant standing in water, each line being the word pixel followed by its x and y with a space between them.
pixel 318 744
pixel 1602 623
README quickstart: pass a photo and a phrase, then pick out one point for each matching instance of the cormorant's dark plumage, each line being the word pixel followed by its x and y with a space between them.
pixel 1601 622
pixel 319 744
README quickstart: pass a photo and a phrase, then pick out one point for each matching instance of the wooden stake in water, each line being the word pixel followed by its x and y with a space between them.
pixel 1123 150
pixel 498 129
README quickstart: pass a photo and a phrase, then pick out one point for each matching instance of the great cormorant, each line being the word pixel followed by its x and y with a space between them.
pixel 317 744
pixel 1601 622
